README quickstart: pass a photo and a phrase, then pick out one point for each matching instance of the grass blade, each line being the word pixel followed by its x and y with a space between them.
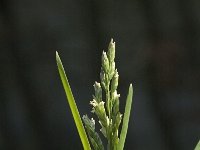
pixel 198 146
pixel 72 104
pixel 126 118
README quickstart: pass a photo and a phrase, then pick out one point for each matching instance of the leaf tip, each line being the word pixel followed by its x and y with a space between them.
pixel 57 56
pixel 58 60
pixel 131 87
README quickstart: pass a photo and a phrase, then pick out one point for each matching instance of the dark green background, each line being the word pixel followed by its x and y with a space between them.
pixel 157 49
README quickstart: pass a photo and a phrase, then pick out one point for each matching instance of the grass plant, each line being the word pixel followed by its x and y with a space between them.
pixel 106 108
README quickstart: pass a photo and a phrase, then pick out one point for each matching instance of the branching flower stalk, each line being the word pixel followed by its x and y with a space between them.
pixel 105 105
pixel 107 112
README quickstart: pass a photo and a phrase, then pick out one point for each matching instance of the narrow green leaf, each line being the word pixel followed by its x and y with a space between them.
pixel 198 146
pixel 126 118
pixel 72 104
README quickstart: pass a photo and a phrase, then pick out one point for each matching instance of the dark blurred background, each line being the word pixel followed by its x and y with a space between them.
pixel 157 49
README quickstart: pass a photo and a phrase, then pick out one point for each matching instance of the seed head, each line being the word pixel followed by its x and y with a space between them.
pixel 114 83
pixel 111 51
pixel 105 62
pixel 98 92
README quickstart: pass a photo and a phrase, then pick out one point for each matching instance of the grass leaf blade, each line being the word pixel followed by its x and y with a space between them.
pixel 72 104
pixel 126 118
pixel 198 146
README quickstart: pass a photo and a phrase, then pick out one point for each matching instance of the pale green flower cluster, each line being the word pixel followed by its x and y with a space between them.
pixel 105 107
